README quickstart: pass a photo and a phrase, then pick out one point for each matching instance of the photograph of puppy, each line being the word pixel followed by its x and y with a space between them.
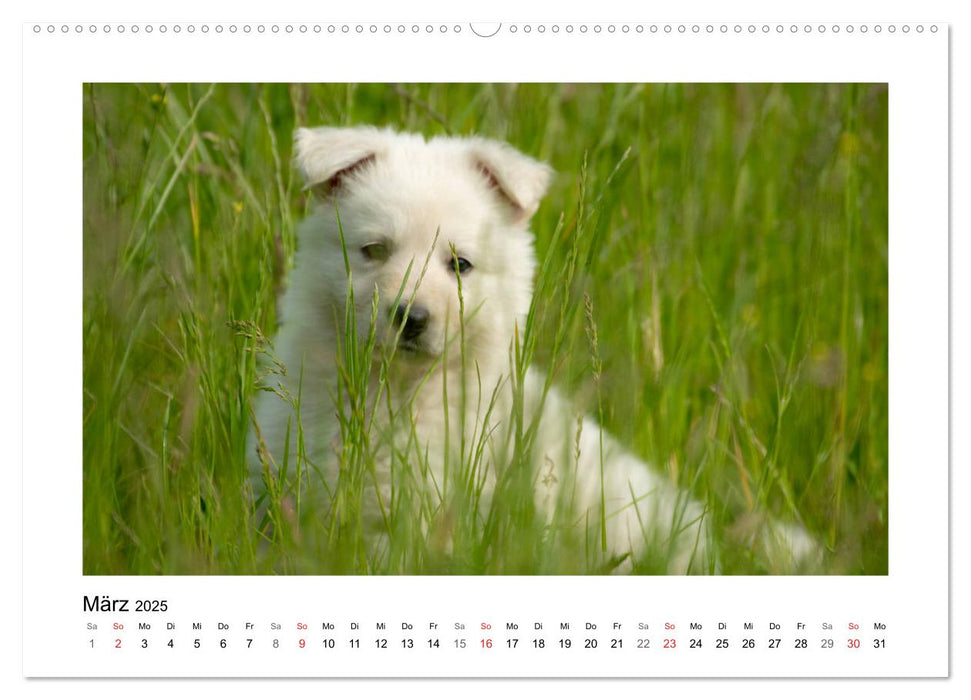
pixel 433 237
pixel 485 329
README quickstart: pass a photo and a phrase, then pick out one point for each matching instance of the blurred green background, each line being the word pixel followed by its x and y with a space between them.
pixel 734 256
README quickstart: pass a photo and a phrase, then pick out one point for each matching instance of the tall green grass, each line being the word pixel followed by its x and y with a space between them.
pixel 713 289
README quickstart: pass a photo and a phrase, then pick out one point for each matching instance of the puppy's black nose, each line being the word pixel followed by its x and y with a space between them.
pixel 412 321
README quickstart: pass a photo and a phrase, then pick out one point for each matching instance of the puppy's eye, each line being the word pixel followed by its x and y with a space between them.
pixel 375 251
pixel 461 265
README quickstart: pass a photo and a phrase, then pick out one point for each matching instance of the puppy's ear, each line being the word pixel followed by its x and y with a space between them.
pixel 327 156
pixel 516 178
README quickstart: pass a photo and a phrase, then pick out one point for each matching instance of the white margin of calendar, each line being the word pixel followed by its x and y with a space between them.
pixel 913 599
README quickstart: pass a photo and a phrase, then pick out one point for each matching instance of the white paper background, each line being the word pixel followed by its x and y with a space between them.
pixel 921 261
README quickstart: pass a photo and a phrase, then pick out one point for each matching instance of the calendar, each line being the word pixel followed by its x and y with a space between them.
pixel 512 627
pixel 453 349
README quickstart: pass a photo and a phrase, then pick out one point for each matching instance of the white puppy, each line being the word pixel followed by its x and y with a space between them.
pixel 403 320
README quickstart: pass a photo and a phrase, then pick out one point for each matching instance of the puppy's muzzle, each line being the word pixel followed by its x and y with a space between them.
pixel 412 321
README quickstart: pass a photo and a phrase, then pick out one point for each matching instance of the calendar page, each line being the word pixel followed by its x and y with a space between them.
pixel 454 349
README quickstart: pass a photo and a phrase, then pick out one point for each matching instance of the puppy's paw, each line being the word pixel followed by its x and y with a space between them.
pixel 790 548
pixel 785 547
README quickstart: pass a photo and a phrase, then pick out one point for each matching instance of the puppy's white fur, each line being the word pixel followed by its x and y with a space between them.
pixel 425 204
